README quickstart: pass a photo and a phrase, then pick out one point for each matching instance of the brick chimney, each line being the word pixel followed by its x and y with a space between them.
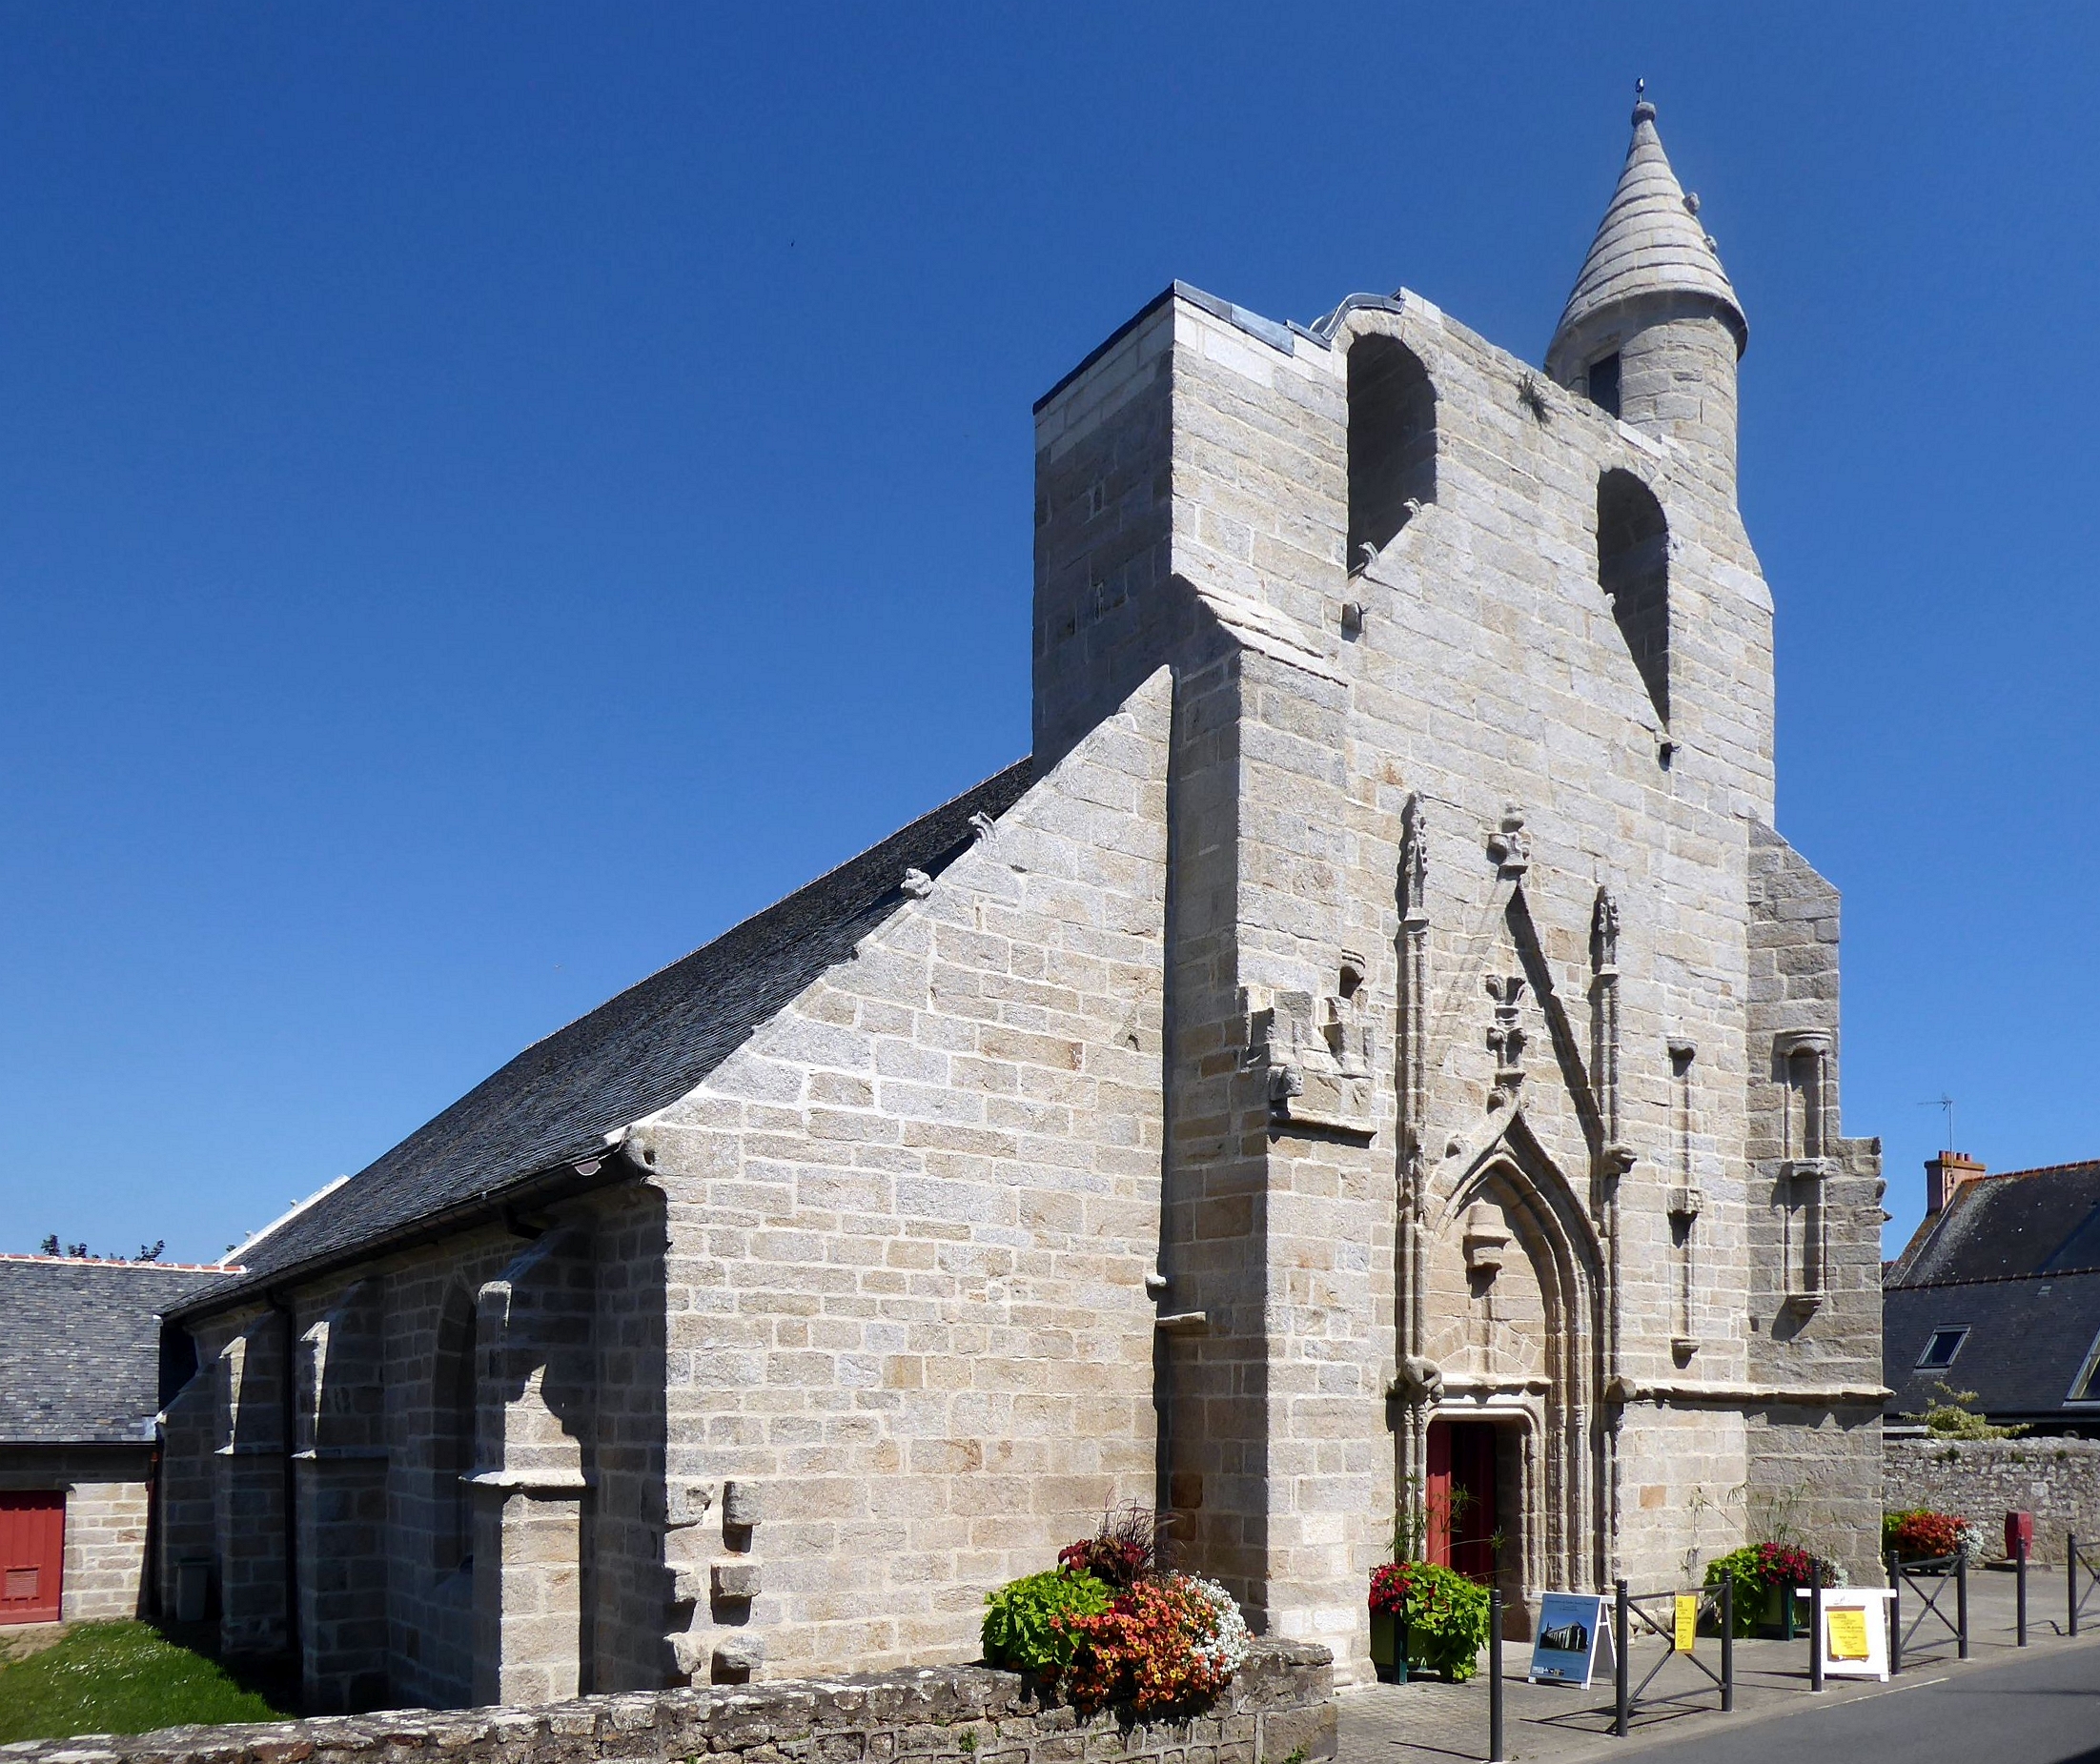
pixel 1945 1175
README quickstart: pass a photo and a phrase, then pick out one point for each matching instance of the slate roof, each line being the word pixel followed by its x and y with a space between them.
pixel 2020 1221
pixel 554 1104
pixel 2027 1341
pixel 1650 242
pixel 2015 1260
pixel 80 1347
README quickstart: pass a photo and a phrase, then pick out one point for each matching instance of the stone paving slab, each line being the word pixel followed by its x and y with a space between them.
pixel 1429 1721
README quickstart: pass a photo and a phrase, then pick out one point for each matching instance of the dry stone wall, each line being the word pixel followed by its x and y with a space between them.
pixel 2056 1480
pixel 1279 1707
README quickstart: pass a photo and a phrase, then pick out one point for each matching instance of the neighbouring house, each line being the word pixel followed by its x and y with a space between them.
pixel 1373 1061
pixel 1998 1292
pixel 81 1373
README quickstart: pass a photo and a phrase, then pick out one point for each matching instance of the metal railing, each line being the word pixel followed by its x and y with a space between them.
pixel 1632 1619
pixel 2077 1562
pixel 1930 1579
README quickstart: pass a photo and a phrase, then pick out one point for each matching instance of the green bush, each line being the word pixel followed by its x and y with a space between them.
pixel 1744 1567
pixel 1019 1633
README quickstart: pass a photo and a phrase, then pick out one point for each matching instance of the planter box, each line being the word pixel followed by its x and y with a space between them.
pixel 1778 1624
pixel 1385 1648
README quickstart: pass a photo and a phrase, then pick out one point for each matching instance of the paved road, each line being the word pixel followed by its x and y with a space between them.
pixel 2044 1710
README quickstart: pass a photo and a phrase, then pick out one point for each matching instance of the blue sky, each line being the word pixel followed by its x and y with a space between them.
pixel 490 496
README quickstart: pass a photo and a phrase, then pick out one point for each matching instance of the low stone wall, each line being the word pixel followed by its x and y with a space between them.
pixel 1279 1708
pixel 2056 1480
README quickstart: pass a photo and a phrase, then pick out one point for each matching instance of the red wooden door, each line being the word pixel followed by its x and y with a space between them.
pixel 1460 1506
pixel 33 1555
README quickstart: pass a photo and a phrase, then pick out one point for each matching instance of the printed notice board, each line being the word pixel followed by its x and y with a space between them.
pixel 1573 1641
pixel 1855 1632
pixel 1684 1630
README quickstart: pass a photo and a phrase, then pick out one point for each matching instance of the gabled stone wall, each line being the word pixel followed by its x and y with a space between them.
pixel 911 1339
pixel 1336 1142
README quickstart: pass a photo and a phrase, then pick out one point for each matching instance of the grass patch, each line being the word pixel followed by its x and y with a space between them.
pixel 119 1679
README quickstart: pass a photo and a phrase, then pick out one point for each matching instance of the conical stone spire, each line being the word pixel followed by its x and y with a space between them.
pixel 1650 257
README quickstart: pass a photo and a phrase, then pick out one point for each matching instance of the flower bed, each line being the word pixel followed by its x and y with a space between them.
pixel 1919 1535
pixel 1117 1627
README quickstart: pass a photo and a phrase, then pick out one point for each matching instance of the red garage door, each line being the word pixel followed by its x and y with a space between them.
pixel 33 1552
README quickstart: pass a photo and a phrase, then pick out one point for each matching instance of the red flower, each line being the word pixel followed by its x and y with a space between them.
pixel 1391 1587
pixel 1925 1534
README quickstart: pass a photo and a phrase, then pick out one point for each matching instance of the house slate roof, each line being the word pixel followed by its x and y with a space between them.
pixel 2014 1258
pixel 2020 1221
pixel 2027 1341
pixel 80 1347
pixel 556 1103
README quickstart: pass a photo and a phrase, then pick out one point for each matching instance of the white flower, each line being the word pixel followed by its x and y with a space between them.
pixel 1226 1652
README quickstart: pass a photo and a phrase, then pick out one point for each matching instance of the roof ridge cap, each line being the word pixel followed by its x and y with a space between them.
pixel 179 1268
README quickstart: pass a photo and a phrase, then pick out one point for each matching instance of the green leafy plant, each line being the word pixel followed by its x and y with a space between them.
pixel 1445 1615
pixel 1021 1628
pixel 1425 1512
pixel 1950 1415
pixel 1756 1569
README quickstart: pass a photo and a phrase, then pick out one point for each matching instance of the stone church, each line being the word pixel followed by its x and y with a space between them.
pixel 1373 1070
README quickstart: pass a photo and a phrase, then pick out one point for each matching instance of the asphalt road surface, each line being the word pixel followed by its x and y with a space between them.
pixel 2044 1710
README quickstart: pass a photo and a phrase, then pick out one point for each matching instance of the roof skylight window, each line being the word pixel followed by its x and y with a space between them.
pixel 1943 1345
pixel 2086 1387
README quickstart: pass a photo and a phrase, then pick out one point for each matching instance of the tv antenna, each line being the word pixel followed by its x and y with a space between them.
pixel 1945 1102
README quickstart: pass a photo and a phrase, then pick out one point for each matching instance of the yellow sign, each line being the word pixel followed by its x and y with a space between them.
pixel 1687 1621
pixel 1848 1633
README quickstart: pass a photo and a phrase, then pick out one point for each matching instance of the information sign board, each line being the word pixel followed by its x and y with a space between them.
pixel 1573 1642
pixel 1855 1632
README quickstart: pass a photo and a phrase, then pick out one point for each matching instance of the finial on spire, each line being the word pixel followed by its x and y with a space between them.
pixel 1643 111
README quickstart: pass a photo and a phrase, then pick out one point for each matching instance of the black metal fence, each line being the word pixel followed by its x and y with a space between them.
pixel 1633 1619
pixel 2079 1563
pixel 1930 1578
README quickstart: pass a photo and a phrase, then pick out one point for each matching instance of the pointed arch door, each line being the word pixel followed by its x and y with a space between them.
pixel 1461 1505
